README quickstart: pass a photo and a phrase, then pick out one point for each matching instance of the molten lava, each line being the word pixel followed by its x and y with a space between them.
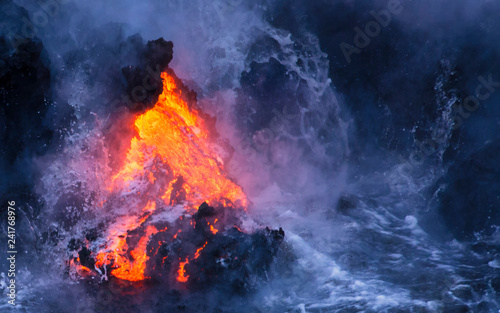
pixel 181 273
pixel 172 161
pixel 117 247
pixel 172 131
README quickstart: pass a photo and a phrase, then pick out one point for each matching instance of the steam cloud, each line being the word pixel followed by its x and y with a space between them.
pixel 323 145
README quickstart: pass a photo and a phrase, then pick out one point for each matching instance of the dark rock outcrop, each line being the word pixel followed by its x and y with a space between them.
pixel 470 201
pixel 24 101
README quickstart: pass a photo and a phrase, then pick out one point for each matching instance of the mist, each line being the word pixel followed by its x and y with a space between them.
pixel 366 130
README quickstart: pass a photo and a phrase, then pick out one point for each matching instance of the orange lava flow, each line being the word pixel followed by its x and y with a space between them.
pixel 80 269
pixel 181 273
pixel 134 271
pixel 212 228
pixel 172 132
pixel 197 254
pixel 124 268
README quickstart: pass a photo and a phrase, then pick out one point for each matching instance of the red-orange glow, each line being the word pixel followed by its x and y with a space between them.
pixel 77 270
pixel 168 194
pixel 174 132
pixel 84 268
pixel 197 254
pixel 134 270
pixel 116 252
pixel 212 228
pixel 151 178
pixel 175 236
pixel 181 273
pixel 80 269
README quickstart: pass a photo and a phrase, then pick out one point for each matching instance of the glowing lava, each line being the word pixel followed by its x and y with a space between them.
pixel 181 273
pixel 115 254
pixel 174 133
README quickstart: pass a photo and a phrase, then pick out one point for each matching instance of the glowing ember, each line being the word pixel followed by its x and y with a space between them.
pixel 197 254
pixel 80 269
pixel 181 273
pixel 213 229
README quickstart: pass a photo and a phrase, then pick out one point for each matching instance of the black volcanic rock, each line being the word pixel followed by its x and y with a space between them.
pixel 234 260
pixel 24 102
pixel 470 201
pixel 85 258
pixel 143 81
pixel 158 52
pixel 119 70
pixel 228 259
